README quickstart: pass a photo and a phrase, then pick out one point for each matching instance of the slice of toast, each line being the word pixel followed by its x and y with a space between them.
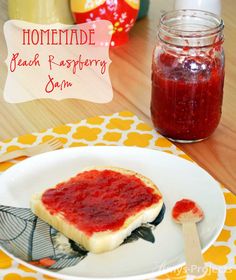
pixel 120 202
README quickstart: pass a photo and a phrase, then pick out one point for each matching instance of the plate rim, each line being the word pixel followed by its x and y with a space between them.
pixel 131 277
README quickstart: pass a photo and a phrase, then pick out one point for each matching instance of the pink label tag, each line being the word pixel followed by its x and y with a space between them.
pixel 58 61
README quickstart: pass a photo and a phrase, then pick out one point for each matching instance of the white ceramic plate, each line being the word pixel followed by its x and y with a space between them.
pixel 176 178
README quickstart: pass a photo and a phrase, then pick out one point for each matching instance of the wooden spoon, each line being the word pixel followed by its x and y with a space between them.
pixel 188 213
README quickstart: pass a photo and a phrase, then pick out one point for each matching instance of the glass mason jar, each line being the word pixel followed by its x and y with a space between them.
pixel 188 75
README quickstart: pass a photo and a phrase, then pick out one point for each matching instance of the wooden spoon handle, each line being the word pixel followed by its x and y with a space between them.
pixel 194 259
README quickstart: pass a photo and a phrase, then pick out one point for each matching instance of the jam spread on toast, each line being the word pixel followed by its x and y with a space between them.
pixel 99 200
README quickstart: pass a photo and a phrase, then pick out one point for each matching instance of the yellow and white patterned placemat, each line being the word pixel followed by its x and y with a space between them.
pixel 124 128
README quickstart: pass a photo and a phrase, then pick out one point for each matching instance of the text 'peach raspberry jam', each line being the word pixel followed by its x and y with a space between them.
pixel 99 200
pixel 188 75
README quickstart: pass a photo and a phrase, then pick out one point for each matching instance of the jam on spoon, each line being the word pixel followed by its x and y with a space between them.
pixel 188 213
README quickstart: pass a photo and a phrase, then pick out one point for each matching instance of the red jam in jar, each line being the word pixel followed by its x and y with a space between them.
pixel 188 75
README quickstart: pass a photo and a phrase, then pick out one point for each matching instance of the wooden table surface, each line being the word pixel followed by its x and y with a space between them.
pixel 130 74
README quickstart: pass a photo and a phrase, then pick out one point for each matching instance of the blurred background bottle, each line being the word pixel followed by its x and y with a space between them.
pixel 40 11
pixel 144 7
pixel 213 6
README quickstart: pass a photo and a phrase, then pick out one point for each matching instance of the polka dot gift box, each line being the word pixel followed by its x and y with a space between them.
pixel 125 129
pixel 121 13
